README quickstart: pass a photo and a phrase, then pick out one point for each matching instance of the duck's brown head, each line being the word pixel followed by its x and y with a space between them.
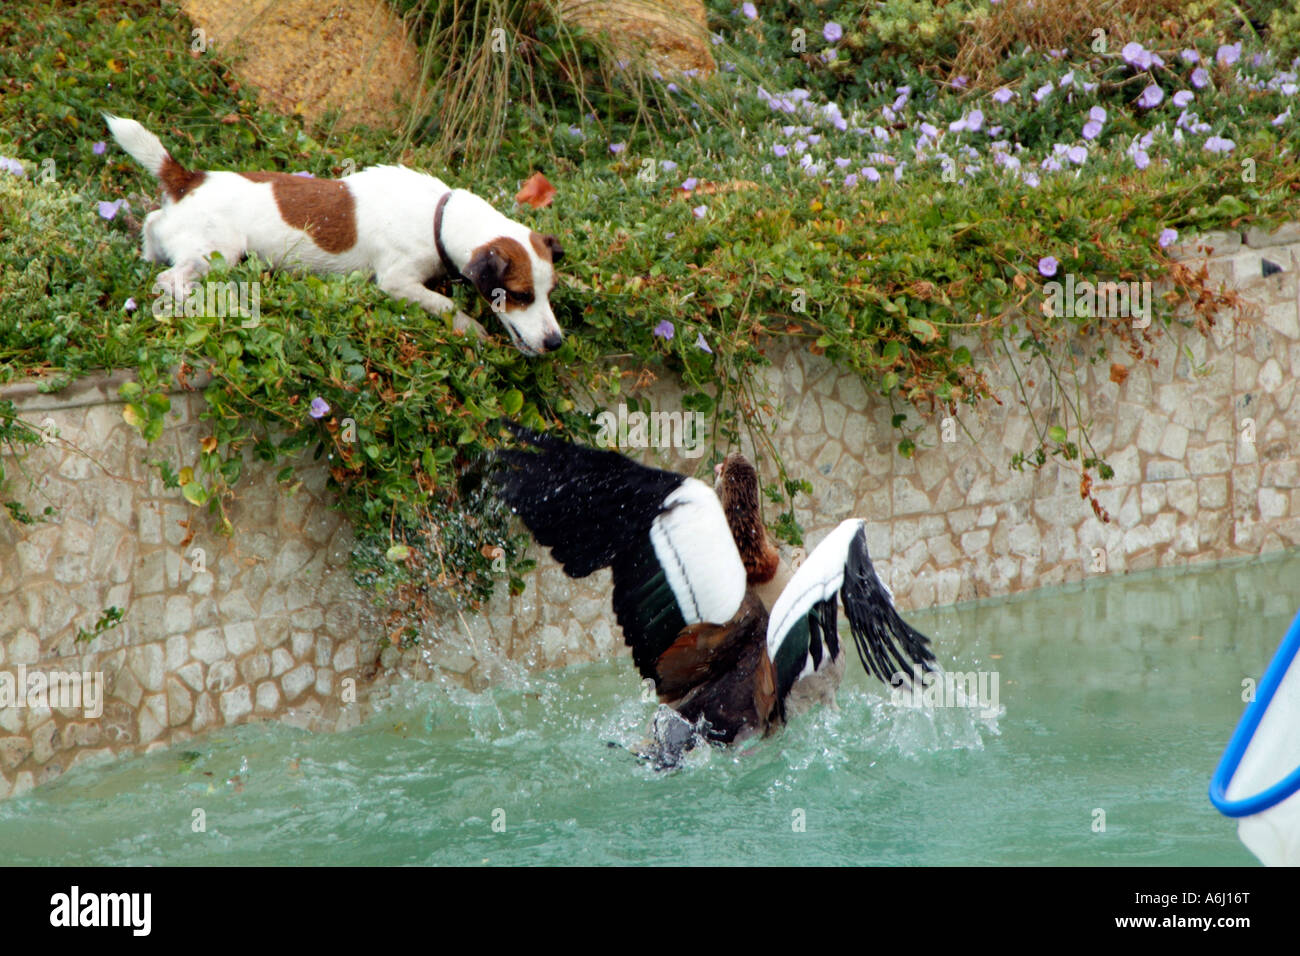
pixel 737 488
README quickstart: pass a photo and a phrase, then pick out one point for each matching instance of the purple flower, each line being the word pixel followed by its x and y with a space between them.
pixel 1047 266
pixel 1042 91
pixel 959 83
pixel 779 149
pixel 667 165
pixel 929 130
pixel 1229 53
pixel 1151 97
pixel 851 180
pixel 1140 158
pixel 1004 95
pixel 1077 154
pixel 1031 179
pixel 690 183
pixel 1067 80
pixel 617 148
pixel 319 408
pixel 701 344
pixel 1097 114
pixel 869 173
pixel 672 87
pixel 1183 97
pixel 1281 118
pixel 1091 129
pixel 1219 144
pixel 700 211
pixel 841 162
pixel 304 174
pixel 129 305
pixel 1167 236
pixel 1200 77
pixel 12 166
pixel 1051 164
pixel 1190 56
pixel 748 10
pixel 575 132
pixel 98 148
pixel 832 32
pixel 800 146
pixel 1136 55
pixel 975 120
pixel 665 330
pixel 107 210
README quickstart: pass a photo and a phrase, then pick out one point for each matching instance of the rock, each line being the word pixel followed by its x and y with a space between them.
pixel 318 58
pixel 297 680
pixel 235 703
pixel 671 34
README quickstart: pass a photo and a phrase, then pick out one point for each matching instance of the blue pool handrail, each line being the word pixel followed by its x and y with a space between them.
pixel 1246 728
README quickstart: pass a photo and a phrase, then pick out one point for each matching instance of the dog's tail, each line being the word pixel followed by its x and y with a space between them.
pixel 147 150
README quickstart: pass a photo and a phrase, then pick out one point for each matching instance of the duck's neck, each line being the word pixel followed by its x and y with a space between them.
pixel 760 558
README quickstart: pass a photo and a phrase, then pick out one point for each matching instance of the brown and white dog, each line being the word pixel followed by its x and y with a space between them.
pixel 404 227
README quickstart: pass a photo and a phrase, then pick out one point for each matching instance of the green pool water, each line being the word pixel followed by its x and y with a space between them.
pixel 1116 696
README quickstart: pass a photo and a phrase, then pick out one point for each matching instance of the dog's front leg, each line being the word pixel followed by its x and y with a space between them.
pixel 405 286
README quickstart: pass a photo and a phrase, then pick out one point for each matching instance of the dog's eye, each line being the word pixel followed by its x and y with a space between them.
pixel 523 298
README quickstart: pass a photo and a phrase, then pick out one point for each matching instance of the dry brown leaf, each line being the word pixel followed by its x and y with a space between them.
pixel 536 192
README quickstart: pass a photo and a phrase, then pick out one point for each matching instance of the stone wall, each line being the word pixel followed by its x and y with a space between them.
pixel 217 630
pixel 1203 444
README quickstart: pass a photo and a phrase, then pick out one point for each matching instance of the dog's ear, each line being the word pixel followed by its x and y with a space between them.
pixel 557 250
pixel 487 270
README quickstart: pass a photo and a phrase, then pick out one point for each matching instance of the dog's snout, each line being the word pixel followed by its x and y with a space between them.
pixel 552 341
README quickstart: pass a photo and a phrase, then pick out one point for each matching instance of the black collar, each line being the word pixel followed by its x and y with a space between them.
pixel 449 266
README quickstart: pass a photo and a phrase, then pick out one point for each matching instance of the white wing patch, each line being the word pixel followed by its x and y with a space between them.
pixel 817 579
pixel 694 546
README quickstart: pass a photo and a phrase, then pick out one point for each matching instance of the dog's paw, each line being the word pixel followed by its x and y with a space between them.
pixel 175 284
pixel 462 324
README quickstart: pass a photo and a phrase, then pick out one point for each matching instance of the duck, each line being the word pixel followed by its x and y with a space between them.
pixel 736 641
